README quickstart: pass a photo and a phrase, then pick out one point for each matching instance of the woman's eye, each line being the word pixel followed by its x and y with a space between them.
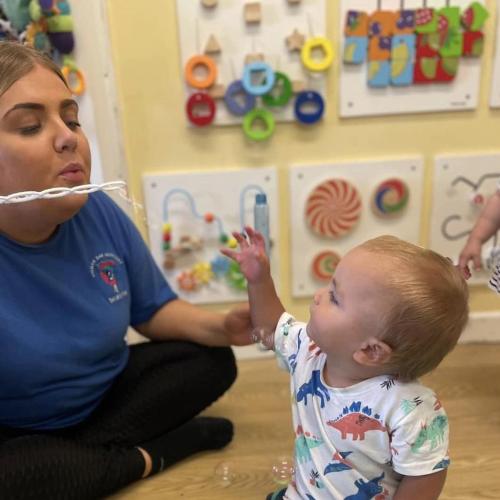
pixel 32 129
pixel 332 297
pixel 73 124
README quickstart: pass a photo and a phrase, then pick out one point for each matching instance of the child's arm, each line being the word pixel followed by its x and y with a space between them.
pixel 419 487
pixel 265 305
pixel 486 226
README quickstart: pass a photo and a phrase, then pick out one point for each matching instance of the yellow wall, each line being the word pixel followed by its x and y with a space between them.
pixel 146 57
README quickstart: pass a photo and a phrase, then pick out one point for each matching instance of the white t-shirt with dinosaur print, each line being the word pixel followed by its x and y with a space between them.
pixel 356 442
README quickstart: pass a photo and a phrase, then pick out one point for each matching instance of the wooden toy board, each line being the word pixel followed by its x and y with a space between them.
pixel 453 212
pixel 365 177
pixel 495 84
pixel 238 39
pixel 227 194
pixel 358 99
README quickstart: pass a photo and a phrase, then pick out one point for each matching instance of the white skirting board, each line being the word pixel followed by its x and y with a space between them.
pixel 482 327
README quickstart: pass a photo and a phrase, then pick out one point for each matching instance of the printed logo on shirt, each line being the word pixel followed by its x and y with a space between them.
pixel 107 268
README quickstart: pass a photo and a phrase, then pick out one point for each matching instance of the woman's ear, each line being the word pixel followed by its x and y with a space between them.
pixel 372 352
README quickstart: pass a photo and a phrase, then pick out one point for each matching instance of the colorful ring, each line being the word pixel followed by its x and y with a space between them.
pixel 79 87
pixel 324 265
pixel 196 100
pixel 258 67
pixel 309 62
pixel 390 197
pixel 234 107
pixel 309 97
pixel 282 81
pixel 259 114
pixel 206 62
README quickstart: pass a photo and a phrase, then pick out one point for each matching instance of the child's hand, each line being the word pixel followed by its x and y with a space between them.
pixel 252 258
pixel 471 251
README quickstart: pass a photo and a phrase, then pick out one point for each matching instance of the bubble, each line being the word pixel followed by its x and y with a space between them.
pixel 283 470
pixel 224 473
pixel 263 336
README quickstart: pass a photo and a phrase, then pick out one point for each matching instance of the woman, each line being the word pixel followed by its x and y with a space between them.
pixel 81 413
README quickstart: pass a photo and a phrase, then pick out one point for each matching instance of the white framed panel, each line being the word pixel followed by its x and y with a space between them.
pixel 461 186
pixel 358 99
pixel 365 177
pixel 227 194
pixel 495 82
pixel 237 39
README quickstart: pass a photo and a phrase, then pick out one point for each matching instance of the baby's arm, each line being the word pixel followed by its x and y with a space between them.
pixel 486 226
pixel 419 487
pixel 265 305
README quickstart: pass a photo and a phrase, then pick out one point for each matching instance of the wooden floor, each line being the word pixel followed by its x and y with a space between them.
pixel 468 383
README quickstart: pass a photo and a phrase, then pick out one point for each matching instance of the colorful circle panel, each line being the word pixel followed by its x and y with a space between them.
pixel 324 265
pixel 390 198
pixel 333 208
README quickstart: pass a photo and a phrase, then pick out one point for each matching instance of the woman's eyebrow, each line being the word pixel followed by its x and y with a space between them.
pixel 25 105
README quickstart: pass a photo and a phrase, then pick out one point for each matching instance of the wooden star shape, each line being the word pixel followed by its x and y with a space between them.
pixel 295 40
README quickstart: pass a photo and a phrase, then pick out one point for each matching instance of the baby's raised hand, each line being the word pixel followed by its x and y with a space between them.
pixel 251 257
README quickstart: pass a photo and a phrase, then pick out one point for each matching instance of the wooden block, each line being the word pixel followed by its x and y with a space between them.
pixel 209 3
pixel 294 2
pixel 255 57
pixel 253 12
pixel 217 91
pixel 295 41
pixel 212 46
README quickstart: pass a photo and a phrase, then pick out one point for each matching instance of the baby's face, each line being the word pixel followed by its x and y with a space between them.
pixel 351 309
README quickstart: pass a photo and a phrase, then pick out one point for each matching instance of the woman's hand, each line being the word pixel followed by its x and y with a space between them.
pixel 238 326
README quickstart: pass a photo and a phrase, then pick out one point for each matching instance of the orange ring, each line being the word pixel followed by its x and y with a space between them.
pixel 191 65
pixel 80 80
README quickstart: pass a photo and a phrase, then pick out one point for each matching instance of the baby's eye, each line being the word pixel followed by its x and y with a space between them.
pixel 333 298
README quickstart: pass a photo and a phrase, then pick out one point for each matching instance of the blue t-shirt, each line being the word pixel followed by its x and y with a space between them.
pixel 64 311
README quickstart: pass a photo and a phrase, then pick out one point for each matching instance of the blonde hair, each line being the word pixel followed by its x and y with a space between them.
pixel 17 60
pixel 431 307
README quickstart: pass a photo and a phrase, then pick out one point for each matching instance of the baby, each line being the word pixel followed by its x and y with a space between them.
pixel 365 426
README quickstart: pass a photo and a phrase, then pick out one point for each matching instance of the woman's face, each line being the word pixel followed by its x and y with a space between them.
pixel 41 142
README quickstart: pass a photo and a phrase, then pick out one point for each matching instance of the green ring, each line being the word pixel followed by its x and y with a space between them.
pixel 286 92
pixel 268 119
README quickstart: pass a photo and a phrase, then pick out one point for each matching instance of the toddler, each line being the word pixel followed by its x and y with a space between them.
pixel 365 427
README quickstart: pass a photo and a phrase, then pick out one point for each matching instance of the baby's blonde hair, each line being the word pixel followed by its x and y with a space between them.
pixel 17 60
pixel 430 310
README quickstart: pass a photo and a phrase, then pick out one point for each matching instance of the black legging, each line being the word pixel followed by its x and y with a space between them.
pixel 163 386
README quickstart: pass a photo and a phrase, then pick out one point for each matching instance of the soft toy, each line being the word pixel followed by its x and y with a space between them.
pixel 17 12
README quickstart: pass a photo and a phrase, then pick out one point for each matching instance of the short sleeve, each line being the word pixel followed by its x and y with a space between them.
pixel 287 339
pixel 419 441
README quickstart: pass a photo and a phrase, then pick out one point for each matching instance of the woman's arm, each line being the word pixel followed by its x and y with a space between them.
pixel 426 487
pixel 180 320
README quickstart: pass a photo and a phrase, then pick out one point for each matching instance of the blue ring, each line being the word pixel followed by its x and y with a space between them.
pixel 233 105
pixel 258 66
pixel 309 97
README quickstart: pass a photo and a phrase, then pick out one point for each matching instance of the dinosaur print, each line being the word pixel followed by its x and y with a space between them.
pixel 356 421
pixel 292 360
pixel 443 464
pixel 304 442
pixel 341 463
pixel 315 388
pixel 367 490
pixel 408 406
pixel 434 432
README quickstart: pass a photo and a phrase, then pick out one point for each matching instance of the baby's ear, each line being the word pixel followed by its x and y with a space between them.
pixel 373 352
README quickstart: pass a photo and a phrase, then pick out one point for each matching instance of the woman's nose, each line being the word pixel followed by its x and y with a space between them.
pixel 65 139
